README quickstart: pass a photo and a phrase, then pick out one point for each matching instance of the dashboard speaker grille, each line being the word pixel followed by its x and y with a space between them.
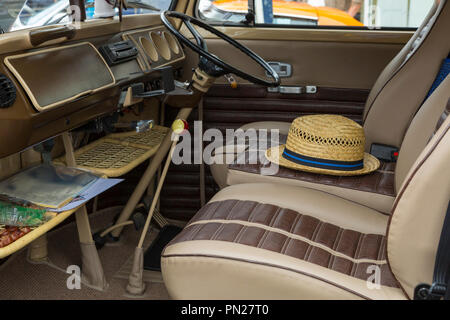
pixel 7 92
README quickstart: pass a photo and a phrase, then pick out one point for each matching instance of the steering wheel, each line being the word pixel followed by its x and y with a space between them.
pixel 209 63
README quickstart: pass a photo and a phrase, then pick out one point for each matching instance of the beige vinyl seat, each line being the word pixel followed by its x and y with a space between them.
pixel 274 241
pixel 395 99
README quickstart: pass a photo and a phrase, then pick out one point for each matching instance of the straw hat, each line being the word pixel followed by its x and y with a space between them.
pixel 327 144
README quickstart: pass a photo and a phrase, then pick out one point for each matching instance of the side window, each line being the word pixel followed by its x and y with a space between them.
pixel 374 14
pixel 22 14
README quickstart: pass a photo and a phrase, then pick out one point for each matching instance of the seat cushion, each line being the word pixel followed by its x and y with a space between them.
pixel 379 182
pixel 268 241
pixel 375 190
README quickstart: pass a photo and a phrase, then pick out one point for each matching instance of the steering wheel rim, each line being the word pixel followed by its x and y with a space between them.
pixel 212 58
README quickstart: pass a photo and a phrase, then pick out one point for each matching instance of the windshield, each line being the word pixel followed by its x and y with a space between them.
pixel 22 14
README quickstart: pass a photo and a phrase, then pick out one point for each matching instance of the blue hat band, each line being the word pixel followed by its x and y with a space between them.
pixel 322 163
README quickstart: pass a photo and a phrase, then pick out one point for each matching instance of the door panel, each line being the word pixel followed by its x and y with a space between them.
pixel 225 107
pixel 326 64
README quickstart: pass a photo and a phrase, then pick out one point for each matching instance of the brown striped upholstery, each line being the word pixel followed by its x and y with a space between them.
pixel 380 181
pixel 290 233
pixel 269 241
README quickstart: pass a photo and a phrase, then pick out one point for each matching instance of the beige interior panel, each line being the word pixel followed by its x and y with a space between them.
pixel 20 40
pixel 299 34
pixel 328 64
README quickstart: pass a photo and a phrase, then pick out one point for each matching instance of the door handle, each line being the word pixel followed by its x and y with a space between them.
pixel 284 70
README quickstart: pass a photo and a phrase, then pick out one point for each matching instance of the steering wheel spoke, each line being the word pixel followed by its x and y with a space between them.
pixel 211 64
pixel 198 38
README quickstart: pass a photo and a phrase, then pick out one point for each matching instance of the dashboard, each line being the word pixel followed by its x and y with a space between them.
pixel 52 89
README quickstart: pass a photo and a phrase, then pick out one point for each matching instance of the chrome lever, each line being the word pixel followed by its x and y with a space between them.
pixel 293 89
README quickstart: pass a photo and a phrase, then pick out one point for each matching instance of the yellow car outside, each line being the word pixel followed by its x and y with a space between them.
pixel 325 16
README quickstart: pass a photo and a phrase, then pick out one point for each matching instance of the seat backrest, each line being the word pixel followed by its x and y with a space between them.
pixel 421 129
pixel 418 214
pixel 403 85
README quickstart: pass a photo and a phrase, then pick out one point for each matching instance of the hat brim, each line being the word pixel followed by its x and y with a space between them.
pixel 274 155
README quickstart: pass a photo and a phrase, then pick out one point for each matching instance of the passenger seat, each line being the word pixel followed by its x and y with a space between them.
pixel 274 241
pixel 376 190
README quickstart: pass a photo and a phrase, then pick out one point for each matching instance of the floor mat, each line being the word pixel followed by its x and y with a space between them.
pixel 20 279
pixel 152 256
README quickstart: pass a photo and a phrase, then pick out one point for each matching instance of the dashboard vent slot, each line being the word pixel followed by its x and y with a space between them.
pixel 7 92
